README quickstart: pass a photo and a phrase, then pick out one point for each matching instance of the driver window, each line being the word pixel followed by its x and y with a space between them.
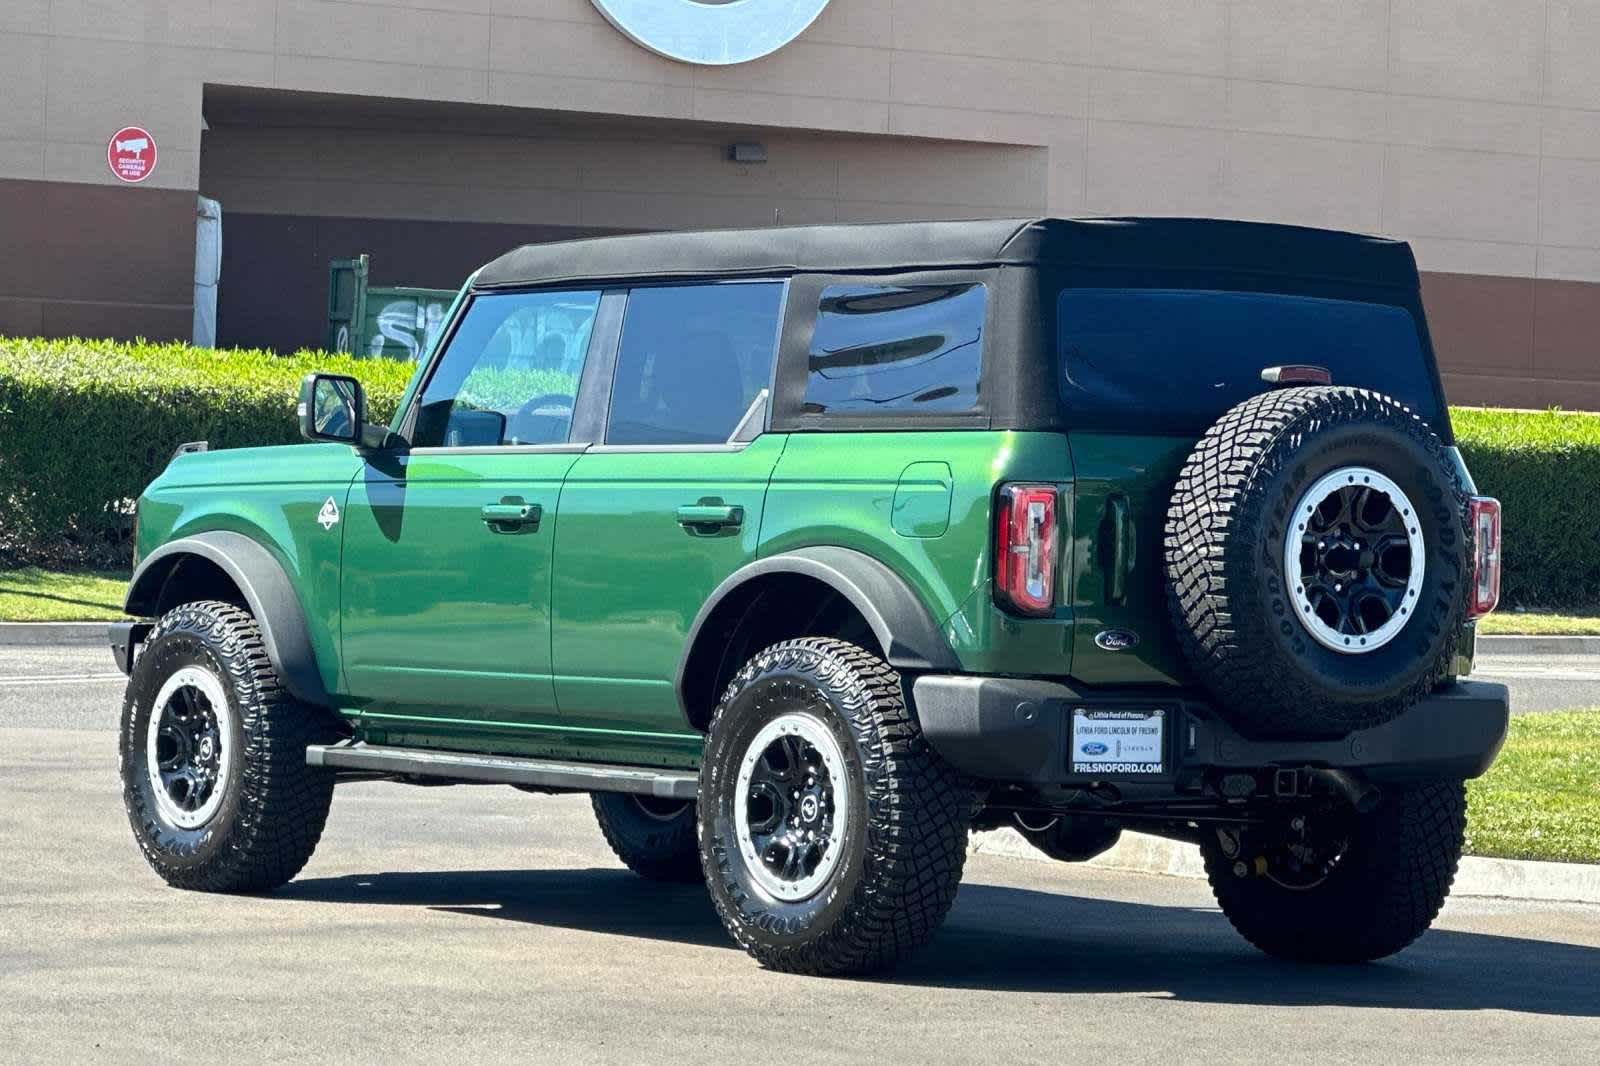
pixel 510 375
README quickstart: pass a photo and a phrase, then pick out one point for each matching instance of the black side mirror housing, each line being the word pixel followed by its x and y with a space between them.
pixel 333 407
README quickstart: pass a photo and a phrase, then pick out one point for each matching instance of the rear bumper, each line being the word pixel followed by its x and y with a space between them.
pixel 1010 730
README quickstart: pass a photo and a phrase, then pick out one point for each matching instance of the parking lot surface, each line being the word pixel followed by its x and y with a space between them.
pixel 479 923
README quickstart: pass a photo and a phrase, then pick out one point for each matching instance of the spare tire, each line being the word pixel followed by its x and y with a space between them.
pixel 1317 561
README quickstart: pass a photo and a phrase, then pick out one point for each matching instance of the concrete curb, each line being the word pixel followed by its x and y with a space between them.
pixel 14 634
pixel 1530 645
pixel 1551 882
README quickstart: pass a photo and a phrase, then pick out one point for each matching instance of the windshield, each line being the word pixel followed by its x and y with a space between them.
pixel 1186 356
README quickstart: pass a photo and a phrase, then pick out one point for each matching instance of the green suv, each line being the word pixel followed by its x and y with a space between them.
pixel 806 551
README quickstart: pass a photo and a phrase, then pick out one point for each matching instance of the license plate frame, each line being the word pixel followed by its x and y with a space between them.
pixel 1120 743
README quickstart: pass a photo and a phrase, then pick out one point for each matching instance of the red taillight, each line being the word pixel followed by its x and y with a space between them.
pixel 1484 594
pixel 1025 549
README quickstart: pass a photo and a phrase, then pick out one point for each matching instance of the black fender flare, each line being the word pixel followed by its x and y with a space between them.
pixel 908 633
pixel 267 591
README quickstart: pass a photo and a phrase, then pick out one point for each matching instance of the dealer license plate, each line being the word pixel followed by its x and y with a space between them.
pixel 1119 742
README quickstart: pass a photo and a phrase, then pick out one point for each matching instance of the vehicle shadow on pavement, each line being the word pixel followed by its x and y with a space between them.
pixel 1000 938
pixel 598 901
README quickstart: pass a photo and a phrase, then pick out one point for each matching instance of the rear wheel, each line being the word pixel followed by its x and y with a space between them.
pixel 832 836
pixel 213 756
pixel 1340 886
pixel 653 837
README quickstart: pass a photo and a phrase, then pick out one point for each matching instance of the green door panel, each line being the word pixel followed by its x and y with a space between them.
pixel 446 608
pixel 1126 480
pixel 277 506
pixel 632 571
pixel 847 489
pixel 922 500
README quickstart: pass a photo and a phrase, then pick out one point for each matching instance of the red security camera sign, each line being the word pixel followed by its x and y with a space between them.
pixel 131 154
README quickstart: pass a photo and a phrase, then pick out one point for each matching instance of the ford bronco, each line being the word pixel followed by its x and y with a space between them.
pixel 806 551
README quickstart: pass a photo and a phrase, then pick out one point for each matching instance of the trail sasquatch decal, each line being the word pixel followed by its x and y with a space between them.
pixel 712 34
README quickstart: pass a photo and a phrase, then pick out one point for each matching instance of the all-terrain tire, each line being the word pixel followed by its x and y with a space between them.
pixel 1229 595
pixel 654 839
pixel 904 842
pixel 273 806
pixel 1383 893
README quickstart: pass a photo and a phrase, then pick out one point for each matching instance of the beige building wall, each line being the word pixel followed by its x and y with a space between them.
pixel 1469 127
pixel 644 177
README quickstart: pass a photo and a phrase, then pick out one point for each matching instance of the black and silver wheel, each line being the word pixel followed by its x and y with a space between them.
pixel 654 837
pixel 190 747
pixel 213 756
pixel 831 835
pixel 1337 886
pixel 790 825
pixel 1354 559
pixel 1316 561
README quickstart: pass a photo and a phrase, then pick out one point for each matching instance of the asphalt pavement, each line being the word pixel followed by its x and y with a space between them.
pixel 483 924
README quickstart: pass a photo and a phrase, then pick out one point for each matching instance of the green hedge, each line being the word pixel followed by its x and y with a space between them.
pixel 85 425
pixel 1544 467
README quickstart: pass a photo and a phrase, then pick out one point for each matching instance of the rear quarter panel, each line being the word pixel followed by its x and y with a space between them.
pixel 840 489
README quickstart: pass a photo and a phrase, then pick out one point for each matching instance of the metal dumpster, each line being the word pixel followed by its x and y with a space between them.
pixel 393 322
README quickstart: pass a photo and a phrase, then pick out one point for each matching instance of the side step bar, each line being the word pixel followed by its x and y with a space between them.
pixel 506 770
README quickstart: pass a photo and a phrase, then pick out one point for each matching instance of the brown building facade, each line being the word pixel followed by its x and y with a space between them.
pixel 434 134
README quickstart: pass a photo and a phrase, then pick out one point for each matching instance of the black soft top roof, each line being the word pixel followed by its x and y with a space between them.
pixel 1134 243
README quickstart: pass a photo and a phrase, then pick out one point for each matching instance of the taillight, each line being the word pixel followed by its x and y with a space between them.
pixel 1025 549
pixel 1484 513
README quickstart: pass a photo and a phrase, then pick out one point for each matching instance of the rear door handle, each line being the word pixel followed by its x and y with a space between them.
pixel 1120 548
pixel 512 516
pixel 707 517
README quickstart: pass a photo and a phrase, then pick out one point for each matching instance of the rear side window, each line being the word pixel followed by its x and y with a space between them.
pixel 692 360
pixel 889 348
pixel 1187 356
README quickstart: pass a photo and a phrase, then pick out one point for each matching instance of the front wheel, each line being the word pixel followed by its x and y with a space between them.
pixel 213 754
pixel 831 835
pixel 1340 886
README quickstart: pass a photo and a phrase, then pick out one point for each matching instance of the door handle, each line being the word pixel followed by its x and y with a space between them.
pixel 709 517
pixel 1119 537
pixel 512 516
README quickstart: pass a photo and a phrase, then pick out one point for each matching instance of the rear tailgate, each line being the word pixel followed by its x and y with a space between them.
pixel 1143 373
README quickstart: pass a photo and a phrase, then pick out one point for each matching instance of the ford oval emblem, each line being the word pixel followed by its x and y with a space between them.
pixel 1094 747
pixel 1116 640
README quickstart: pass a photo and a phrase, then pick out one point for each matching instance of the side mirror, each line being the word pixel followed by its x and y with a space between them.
pixel 333 408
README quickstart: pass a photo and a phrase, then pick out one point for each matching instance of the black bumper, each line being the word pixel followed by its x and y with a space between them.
pixel 125 639
pixel 1018 731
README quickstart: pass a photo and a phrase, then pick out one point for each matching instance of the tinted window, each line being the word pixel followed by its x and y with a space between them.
pixel 511 372
pixel 892 348
pixel 692 360
pixel 1190 355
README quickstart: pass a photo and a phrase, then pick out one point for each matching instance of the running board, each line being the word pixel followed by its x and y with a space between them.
pixel 506 770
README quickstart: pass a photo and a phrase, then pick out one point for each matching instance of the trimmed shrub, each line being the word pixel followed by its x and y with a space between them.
pixel 86 425
pixel 1544 468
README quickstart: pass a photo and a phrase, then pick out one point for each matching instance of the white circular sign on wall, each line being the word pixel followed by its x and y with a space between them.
pixel 712 34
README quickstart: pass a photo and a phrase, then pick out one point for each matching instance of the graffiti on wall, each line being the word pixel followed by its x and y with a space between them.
pixel 406 328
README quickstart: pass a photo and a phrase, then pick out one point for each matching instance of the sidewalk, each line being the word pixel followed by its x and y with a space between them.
pixel 1554 882
pixel 59 633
